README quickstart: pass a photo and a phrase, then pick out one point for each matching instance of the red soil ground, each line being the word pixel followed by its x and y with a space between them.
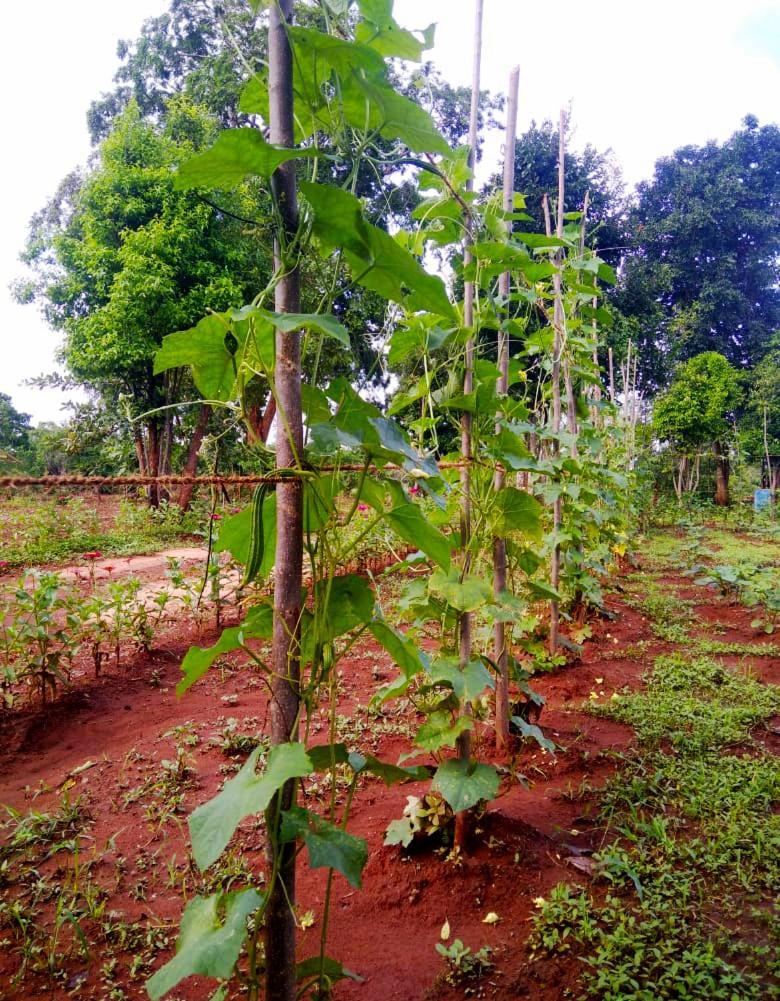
pixel 530 838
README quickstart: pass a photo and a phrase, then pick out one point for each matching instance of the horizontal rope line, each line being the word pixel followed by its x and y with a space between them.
pixel 137 479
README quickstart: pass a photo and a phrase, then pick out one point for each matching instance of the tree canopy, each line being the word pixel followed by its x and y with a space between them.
pixel 703 270
pixel 698 407
pixel 14 430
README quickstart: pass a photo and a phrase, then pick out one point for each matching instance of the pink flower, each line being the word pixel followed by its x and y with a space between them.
pixel 362 507
pixel 414 490
pixel 215 517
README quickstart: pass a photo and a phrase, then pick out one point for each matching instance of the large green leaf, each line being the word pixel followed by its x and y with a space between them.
pixel 393 439
pixel 329 846
pixel 376 260
pixel 390 774
pixel 322 322
pixel 258 624
pixel 408 521
pixel 533 732
pixel 395 116
pixel 380 30
pixel 338 54
pixel 213 824
pixel 439 731
pixel 316 967
pixel 350 603
pixel 407 654
pixel 409 657
pixel 236 155
pixel 463 783
pixel 518 511
pixel 234 532
pixel 465 595
pixel 204 348
pixel 468 683
pixel 213 930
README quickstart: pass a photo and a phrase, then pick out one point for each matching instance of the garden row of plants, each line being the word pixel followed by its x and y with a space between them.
pixel 499 462
pixel 49 624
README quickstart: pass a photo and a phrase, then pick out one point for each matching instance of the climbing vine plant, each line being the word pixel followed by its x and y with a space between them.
pixel 340 454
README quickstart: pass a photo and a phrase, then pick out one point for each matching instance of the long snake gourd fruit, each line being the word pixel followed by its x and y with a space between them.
pixel 257 536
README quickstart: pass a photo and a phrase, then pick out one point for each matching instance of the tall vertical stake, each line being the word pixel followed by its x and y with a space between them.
pixel 558 322
pixel 288 571
pixel 499 544
pixel 464 740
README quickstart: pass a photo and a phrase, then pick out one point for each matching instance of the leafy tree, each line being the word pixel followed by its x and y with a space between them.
pixel 14 431
pixel 761 421
pixel 193 48
pixel 697 411
pixel 122 259
pixel 703 272
pixel 49 449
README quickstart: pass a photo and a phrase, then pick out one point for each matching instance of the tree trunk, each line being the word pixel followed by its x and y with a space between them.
pixel 191 465
pixel 288 574
pixel 153 462
pixel 499 544
pixel 140 451
pixel 722 471
pixel 259 421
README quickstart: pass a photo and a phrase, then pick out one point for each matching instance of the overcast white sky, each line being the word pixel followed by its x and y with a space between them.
pixel 642 77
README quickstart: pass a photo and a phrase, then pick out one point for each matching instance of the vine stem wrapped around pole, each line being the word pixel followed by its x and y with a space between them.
pixel 288 574
pixel 464 740
pixel 499 544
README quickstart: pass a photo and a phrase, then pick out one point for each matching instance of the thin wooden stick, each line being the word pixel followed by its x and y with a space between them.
pixel 465 641
pixel 499 544
pixel 555 563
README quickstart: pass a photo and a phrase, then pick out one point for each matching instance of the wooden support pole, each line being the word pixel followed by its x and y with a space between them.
pixel 499 544
pixel 464 625
pixel 280 919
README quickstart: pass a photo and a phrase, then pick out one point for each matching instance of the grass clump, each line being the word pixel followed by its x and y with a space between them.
pixel 695 705
pixel 694 864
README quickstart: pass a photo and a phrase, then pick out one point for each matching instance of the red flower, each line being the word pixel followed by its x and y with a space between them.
pixel 93 556
pixel 215 517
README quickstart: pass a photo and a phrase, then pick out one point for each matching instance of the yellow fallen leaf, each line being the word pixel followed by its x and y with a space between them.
pixel 490 919
pixel 445 931
pixel 599 681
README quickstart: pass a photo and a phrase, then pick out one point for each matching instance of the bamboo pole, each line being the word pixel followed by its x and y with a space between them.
pixel 499 544
pixel 288 573
pixel 465 639
pixel 558 322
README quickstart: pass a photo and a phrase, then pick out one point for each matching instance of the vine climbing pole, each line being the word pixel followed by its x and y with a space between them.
pixel 288 573
pixel 499 543
pixel 464 740
pixel 558 344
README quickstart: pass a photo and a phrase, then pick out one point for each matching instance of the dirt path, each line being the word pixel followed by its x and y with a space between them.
pixel 539 832
pixel 153 564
